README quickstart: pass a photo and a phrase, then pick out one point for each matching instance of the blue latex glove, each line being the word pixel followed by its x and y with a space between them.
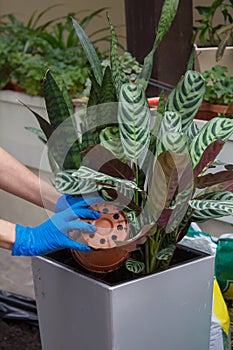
pixel 66 200
pixel 53 233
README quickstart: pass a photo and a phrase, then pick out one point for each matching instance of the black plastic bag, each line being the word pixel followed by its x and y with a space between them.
pixel 17 307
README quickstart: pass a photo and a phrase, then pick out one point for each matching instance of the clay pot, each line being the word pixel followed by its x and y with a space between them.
pixel 105 256
pixel 207 111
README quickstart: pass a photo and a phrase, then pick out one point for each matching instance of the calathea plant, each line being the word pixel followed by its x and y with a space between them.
pixel 155 169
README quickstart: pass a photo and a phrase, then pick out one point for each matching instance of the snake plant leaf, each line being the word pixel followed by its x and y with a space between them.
pixel 118 75
pixel 107 91
pixel 134 120
pixel 45 126
pixel 168 13
pixel 215 129
pixel 187 97
pixel 134 266
pixel 94 96
pixel 207 158
pixel 38 132
pixel 64 144
pixel 89 51
pixel 110 139
pixel 211 179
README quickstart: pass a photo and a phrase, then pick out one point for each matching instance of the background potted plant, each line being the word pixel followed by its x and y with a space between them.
pixel 218 98
pixel 153 174
pixel 213 35
pixel 26 51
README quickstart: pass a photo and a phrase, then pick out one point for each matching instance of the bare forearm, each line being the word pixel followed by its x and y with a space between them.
pixel 7 234
pixel 17 179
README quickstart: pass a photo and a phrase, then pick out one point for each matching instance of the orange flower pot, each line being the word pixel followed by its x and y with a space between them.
pixel 105 256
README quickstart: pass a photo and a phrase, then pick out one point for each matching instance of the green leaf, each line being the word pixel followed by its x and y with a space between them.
pixel 37 132
pixel 168 13
pixel 166 253
pixel 134 120
pixel 110 139
pixel 211 208
pixel 215 129
pixel 64 145
pixel 45 126
pixel 89 51
pixel 134 266
pixel 187 97
pixel 119 77
pixel 207 158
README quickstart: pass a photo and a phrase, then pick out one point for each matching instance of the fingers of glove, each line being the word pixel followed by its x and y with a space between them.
pixel 88 214
pixel 81 225
pixel 65 201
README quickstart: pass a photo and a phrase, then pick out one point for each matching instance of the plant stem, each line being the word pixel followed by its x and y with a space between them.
pixel 147 256
pixel 155 249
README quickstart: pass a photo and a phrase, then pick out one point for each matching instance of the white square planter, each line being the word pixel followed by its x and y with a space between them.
pixel 14 138
pixel 163 311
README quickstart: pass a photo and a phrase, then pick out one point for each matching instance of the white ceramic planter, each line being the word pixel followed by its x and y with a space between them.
pixel 163 311
pixel 18 141
pixel 205 58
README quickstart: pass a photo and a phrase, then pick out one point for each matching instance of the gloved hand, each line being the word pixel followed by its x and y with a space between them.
pixel 53 233
pixel 66 200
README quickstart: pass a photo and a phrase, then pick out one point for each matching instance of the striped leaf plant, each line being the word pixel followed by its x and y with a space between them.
pixel 158 170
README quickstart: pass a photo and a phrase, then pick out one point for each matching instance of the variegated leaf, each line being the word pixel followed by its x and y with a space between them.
pixel 192 131
pixel 110 139
pixel 187 97
pixel 134 266
pixel 168 13
pixel 211 211
pixel 89 51
pixel 166 253
pixel 119 77
pixel 207 158
pixel 225 208
pixel 66 182
pixel 134 120
pixel 215 129
pixel 95 176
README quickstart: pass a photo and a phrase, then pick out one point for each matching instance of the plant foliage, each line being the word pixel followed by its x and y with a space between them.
pixel 159 172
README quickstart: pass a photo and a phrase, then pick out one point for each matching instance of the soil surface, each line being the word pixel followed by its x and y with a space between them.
pixel 19 336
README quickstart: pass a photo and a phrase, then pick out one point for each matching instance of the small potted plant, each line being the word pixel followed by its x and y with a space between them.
pixel 213 35
pixel 218 98
pixel 153 171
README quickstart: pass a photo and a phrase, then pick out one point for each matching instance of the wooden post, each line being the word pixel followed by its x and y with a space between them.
pixel 172 56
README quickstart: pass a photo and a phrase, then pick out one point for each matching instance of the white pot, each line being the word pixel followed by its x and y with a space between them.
pixel 14 138
pixel 163 311
pixel 205 58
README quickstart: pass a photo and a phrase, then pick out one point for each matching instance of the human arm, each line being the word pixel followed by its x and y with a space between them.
pixel 17 179
pixel 50 235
